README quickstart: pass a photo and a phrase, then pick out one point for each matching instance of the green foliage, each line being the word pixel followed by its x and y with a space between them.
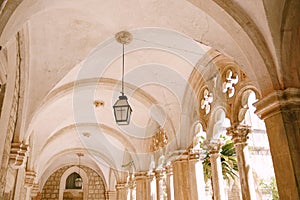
pixel 206 168
pixel 228 161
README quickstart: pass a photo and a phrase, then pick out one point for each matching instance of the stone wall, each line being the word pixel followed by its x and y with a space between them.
pixel 96 187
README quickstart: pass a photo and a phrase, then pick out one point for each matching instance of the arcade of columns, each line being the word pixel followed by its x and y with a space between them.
pixel 278 106
pixel 177 179
pixel 181 177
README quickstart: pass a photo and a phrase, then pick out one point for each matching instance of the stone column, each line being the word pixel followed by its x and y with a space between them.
pixel 160 184
pixel 216 170
pixel 143 186
pixel 196 176
pixel 281 112
pixel 131 188
pixel 239 136
pixel 180 175
pixel 169 183
pixel 111 195
pixel 151 185
pixel 122 191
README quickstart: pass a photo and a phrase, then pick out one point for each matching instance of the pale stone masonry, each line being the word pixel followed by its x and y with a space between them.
pixel 96 188
pixel 191 66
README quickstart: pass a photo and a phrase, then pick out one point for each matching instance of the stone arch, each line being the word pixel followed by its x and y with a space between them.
pixel 216 121
pixel 66 89
pixel 44 175
pixel 240 105
pixel 234 15
pixel 107 130
pixel 289 39
pixel 190 114
pixel 64 177
pixel 199 135
pixel 112 180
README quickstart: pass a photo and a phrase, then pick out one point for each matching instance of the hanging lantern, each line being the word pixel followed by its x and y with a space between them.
pixel 122 109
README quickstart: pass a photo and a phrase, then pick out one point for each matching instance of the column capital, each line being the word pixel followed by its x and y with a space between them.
pixel 194 154
pixel 181 156
pixel 239 133
pixel 169 170
pixel 159 174
pixel 140 175
pixel 214 146
pixel 131 182
pixel 278 101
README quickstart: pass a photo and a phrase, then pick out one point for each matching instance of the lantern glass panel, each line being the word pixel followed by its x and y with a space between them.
pixel 122 111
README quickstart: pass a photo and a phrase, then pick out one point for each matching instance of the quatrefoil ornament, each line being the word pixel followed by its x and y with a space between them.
pixel 206 101
pixel 231 79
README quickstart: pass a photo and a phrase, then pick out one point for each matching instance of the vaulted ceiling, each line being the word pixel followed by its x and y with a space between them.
pixel 73 60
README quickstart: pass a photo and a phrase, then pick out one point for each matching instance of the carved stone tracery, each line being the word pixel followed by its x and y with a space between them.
pixel 231 79
pixel 206 101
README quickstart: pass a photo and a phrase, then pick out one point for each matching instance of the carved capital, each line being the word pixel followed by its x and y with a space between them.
pixel 214 146
pixel 169 170
pixel 180 156
pixel 278 101
pixel 29 178
pixel 131 182
pixel 239 133
pixel 176 155
pixel 194 154
pixel 18 155
pixel 150 176
pixel 160 174
pixel 140 175
pixel 201 155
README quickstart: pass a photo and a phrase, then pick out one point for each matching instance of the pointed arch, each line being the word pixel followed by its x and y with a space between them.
pixel 64 177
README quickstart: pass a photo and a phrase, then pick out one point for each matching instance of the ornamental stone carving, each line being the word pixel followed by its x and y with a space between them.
pixel 231 79
pixel 239 133
pixel 206 101
pixel 214 146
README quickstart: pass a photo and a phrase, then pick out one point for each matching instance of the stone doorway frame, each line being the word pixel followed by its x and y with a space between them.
pixel 85 181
